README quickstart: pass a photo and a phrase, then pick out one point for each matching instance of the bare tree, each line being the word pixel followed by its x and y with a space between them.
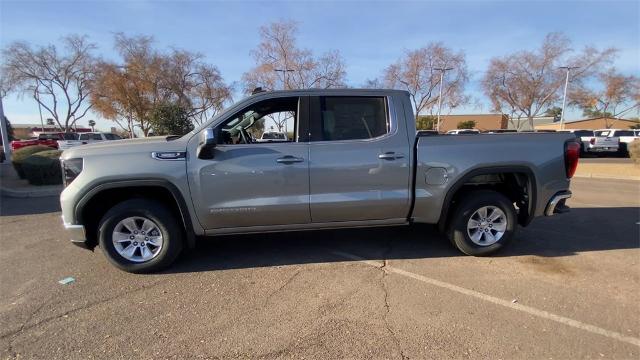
pixel 129 93
pixel 58 81
pixel 527 83
pixel 618 94
pixel 197 86
pixel 281 64
pixel 417 73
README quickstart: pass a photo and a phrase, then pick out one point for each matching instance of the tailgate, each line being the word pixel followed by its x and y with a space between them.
pixel 607 141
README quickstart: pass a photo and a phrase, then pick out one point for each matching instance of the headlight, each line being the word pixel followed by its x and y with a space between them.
pixel 71 168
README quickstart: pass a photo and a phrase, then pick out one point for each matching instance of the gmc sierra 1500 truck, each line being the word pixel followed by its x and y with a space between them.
pixel 355 160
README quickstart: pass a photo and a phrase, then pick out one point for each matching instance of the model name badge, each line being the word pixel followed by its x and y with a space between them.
pixel 232 210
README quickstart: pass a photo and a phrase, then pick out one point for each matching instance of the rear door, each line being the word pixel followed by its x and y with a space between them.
pixel 359 160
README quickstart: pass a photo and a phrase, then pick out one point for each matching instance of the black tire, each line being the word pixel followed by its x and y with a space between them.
pixel 623 151
pixel 168 225
pixel 467 206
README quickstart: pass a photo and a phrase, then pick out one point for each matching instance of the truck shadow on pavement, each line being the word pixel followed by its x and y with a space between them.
pixel 583 229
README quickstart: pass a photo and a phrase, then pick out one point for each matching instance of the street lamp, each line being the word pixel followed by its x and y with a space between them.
pixel 442 71
pixel 284 72
pixel 564 97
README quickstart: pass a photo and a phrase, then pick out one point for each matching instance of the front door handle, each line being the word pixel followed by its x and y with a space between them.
pixel 390 155
pixel 288 159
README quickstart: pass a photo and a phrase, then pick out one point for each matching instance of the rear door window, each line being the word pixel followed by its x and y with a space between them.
pixel 352 118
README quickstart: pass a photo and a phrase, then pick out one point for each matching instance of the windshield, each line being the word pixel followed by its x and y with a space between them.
pixel 49 137
pixel 602 133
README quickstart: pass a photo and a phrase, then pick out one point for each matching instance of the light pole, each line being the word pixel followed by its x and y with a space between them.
pixel 442 71
pixel 285 85
pixel 284 72
pixel 39 107
pixel 564 97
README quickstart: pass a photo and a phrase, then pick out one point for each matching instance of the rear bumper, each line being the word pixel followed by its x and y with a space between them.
pixel 557 203
pixel 77 234
pixel 603 149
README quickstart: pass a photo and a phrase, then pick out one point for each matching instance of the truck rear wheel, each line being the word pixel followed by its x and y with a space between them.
pixel 140 236
pixel 483 222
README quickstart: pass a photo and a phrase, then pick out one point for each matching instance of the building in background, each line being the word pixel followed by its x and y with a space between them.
pixel 523 124
pixel 483 122
pixel 591 124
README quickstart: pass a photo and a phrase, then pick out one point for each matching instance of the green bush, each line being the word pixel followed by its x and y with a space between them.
pixel 634 151
pixel 21 154
pixel 43 168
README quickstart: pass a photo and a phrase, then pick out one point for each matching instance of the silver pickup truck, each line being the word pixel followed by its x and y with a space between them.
pixel 356 160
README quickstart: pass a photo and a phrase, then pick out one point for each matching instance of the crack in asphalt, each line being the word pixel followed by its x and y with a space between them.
pixel 24 327
pixel 387 307
pixel 286 283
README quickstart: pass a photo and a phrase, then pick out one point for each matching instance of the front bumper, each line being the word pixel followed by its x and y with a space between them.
pixel 77 234
pixel 557 203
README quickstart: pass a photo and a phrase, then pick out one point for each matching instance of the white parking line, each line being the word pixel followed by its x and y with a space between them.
pixel 515 306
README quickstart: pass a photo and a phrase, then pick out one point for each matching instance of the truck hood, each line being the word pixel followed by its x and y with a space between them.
pixel 128 146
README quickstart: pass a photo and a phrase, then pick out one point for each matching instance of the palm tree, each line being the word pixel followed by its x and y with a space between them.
pixel 92 124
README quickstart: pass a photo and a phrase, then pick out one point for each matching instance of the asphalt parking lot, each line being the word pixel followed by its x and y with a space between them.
pixel 567 288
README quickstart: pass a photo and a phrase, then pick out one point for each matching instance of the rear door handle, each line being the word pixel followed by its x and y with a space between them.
pixel 390 155
pixel 288 159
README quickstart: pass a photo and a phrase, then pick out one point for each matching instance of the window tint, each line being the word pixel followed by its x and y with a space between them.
pixel 623 133
pixel 49 137
pixel 352 118
pixel 70 136
pixel 580 133
pixel 83 137
pixel 112 137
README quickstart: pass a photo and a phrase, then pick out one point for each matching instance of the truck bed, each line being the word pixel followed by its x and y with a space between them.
pixel 448 161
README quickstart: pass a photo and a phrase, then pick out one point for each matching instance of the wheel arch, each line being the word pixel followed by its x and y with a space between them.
pixel 99 199
pixel 463 184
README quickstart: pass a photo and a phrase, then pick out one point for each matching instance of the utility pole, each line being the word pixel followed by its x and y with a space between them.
pixel 564 97
pixel 37 94
pixel 5 135
pixel 442 71
pixel 285 86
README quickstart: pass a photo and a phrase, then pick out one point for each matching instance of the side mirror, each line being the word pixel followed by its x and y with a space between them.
pixel 207 143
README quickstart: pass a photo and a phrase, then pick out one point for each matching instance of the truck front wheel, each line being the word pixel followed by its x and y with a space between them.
pixel 140 236
pixel 483 222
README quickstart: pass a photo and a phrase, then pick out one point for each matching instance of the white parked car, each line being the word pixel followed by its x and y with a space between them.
pixel 87 138
pixel 626 137
pixel 273 136
pixel 463 131
pixel 603 141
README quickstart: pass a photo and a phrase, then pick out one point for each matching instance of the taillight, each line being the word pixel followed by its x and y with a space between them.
pixel 571 156
pixel 592 141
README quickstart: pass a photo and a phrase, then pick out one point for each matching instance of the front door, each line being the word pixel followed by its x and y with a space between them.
pixel 254 179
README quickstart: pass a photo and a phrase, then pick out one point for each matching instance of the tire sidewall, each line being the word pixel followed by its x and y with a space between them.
pixel 478 199
pixel 156 212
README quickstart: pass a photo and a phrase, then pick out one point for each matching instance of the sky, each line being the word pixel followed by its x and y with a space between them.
pixel 369 34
